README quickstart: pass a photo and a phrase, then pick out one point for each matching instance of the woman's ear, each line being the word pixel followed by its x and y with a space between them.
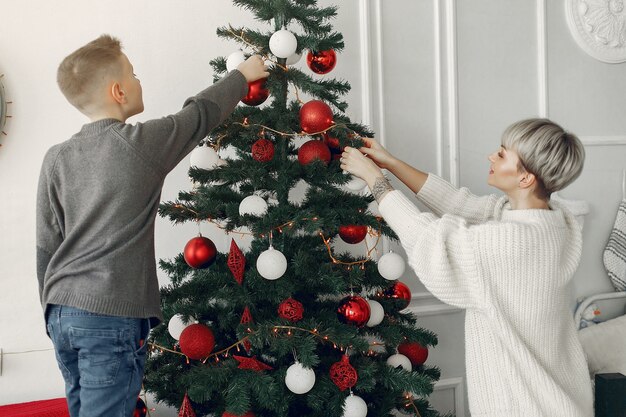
pixel 527 180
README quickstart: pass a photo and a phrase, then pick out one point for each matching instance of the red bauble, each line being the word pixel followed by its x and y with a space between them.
pixel 332 142
pixel 399 291
pixel 416 353
pixel 321 62
pixel 185 409
pixel 291 310
pixel 354 310
pixel 343 374
pixel 352 233
pixel 246 316
pixel 315 116
pixel 196 341
pixel 257 93
pixel 200 252
pixel 248 414
pixel 313 150
pixel 236 262
pixel 140 408
pixel 263 150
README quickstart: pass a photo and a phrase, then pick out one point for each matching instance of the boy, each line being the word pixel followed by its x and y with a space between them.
pixel 96 205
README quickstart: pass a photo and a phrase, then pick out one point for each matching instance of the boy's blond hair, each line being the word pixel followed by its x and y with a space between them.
pixel 84 70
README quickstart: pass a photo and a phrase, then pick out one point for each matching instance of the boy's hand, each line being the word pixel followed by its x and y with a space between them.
pixel 377 153
pixel 253 68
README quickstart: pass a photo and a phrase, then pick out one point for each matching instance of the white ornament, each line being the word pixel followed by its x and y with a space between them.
pixel 271 264
pixel 354 406
pixel 373 208
pixel 204 157
pixel 254 205
pixel 294 59
pixel 234 59
pixel 399 360
pixel 391 266
pixel 299 379
pixel 355 184
pixel 176 325
pixel 283 43
pixel 377 313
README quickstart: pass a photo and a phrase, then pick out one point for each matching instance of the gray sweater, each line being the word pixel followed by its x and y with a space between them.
pixel 97 201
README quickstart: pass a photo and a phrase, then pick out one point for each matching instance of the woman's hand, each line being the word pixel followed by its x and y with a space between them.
pixel 253 68
pixel 377 153
pixel 356 163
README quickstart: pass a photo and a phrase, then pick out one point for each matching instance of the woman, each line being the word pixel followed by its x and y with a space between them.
pixel 506 260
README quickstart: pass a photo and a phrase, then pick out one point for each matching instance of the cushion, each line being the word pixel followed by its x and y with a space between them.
pixel 605 346
pixel 47 408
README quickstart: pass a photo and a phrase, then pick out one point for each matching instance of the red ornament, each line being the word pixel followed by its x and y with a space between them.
pixel 399 291
pixel 315 116
pixel 353 310
pixel 352 233
pixel 321 62
pixel 251 363
pixel 291 310
pixel 200 252
pixel 247 346
pixel 248 414
pixel 343 374
pixel 416 353
pixel 185 409
pixel 140 408
pixel 246 317
pixel 313 150
pixel 257 93
pixel 236 262
pixel 332 142
pixel 196 341
pixel 263 150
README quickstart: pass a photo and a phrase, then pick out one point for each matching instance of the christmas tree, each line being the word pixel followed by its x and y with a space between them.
pixel 290 327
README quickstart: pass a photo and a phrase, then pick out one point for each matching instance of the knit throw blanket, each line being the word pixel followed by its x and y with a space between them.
pixel 615 251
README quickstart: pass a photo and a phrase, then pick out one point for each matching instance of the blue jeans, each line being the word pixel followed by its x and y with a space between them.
pixel 102 360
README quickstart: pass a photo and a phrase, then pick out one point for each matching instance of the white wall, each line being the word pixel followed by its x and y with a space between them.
pixel 437 79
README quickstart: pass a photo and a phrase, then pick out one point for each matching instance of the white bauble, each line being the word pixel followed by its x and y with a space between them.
pixel 355 184
pixel 254 205
pixel 399 360
pixel 204 157
pixel 294 58
pixel 299 379
pixel 283 43
pixel 377 313
pixel 354 406
pixel 271 264
pixel 234 59
pixel 391 266
pixel 373 209
pixel 176 325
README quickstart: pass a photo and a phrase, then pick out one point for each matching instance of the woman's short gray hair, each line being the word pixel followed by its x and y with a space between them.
pixel 545 149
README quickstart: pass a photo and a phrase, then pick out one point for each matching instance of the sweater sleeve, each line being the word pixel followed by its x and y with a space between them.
pixel 166 141
pixel 440 251
pixel 49 234
pixel 441 198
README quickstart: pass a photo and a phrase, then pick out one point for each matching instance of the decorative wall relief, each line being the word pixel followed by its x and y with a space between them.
pixel 599 28
pixel 3 107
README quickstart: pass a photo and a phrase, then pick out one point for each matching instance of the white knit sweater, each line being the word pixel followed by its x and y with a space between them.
pixel 508 269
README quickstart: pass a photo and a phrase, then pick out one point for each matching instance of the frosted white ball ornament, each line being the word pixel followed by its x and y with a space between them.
pixel 299 379
pixel 294 59
pixel 176 325
pixel 391 266
pixel 377 313
pixel 204 157
pixel 283 43
pixel 271 264
pixel 355 184
pixel 399 360
pixel 253 205
pixel 234 59
pixel 354 406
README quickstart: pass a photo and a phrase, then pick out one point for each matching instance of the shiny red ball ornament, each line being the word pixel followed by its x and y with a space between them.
pixel 352 233
pixel 140 408
pixel 291 310
pixel 343 374
pixel 332 142
pixel 399 291
pixel 248 414
pixel 200 252
pixel 416 353
pixel 313 150
pixel 197 341
pixel 257 93
pixel 315 116
pixel 321 62
pixel 263 150
pixel 354 310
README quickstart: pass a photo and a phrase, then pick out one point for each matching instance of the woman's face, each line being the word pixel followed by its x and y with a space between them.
pixel 503 171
